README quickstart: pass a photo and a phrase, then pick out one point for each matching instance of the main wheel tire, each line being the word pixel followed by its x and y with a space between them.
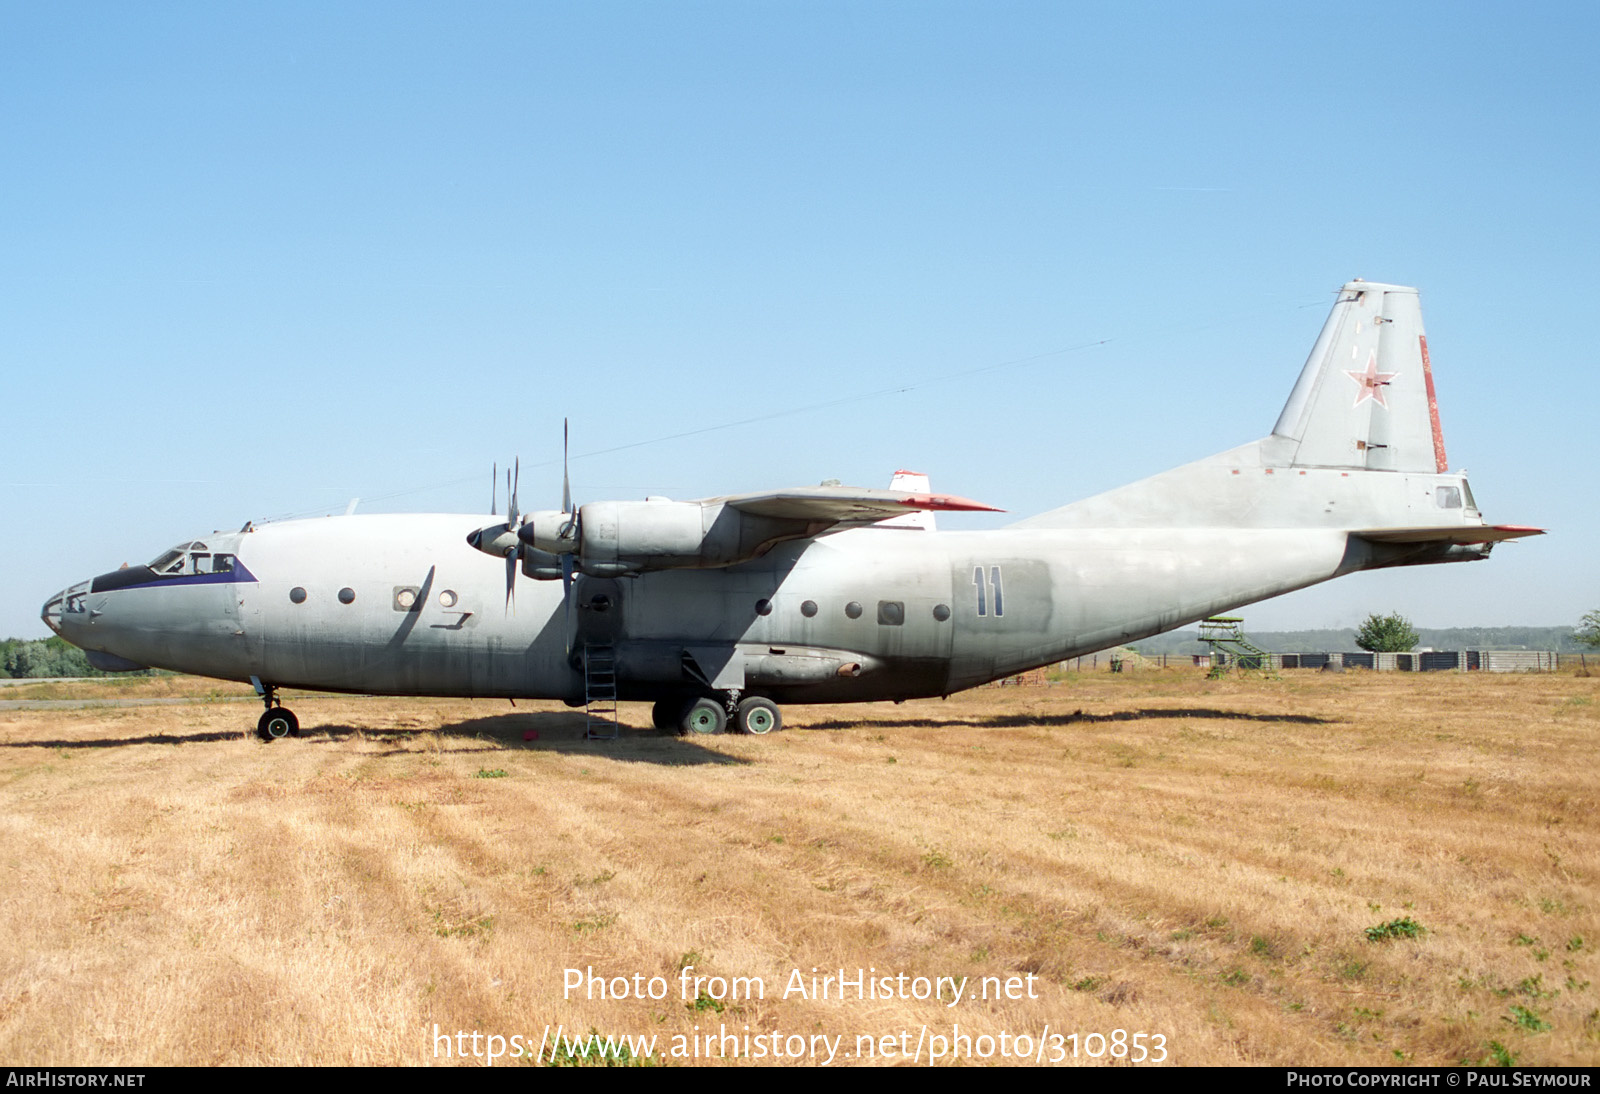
pixel 277 723
pixel 704 716
pixel 759 716
pixel 667 714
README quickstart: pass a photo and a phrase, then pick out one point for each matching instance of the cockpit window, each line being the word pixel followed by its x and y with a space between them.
pixel 170 563
pixel 191 558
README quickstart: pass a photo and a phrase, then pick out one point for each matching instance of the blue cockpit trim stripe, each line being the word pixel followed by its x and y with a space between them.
pixel 239 573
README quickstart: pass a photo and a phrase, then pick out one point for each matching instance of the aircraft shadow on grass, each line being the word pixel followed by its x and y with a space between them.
pixel 556 731
pixel 1021 721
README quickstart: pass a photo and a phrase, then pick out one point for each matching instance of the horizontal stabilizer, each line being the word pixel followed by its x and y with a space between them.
pixel 1455 533
pixel 836 504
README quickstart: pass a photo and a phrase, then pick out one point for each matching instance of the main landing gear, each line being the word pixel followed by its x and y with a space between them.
pixel 707 714
pixel 278 721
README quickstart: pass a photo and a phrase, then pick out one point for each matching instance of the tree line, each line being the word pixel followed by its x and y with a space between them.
pixel 22 658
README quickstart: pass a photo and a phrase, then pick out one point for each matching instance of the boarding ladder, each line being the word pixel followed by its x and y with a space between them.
pixel 599 691
pixel 1225 635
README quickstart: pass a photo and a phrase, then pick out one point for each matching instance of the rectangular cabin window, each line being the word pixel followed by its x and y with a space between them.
pixel 1449 497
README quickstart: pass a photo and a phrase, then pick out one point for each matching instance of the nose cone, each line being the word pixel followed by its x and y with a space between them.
pixel 67 614
pixel 51 612
pixel 90 628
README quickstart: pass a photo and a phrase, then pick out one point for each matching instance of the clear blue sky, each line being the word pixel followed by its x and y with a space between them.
pixel 257 260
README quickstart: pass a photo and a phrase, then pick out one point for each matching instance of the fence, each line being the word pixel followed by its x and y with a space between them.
pixel 1427 661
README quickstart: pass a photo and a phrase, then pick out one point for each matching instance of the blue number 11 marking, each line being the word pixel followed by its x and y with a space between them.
pixel 994 587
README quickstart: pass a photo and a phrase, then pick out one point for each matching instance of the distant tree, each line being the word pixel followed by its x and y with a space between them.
pixel 43 657
pixel 1589 632
pixel 1386 633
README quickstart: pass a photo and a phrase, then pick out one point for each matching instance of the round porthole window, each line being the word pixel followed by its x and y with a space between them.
pixel 808 609
pixel 405 598
pixel 941 612
pixel 347 595
pixel 763 607
pixel 297 594
pixel 853 610
pixel 447 598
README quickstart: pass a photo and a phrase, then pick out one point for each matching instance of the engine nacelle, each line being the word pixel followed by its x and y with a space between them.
pixel 616 538
pixel 633 536
pixel 612 538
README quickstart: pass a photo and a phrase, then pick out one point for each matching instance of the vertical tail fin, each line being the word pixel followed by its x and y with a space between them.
pixel 1358 445
pixel 1365 399
pixel 913 482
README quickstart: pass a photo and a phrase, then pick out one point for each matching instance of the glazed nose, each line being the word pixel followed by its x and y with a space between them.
pixel 51 613
pixel 66 609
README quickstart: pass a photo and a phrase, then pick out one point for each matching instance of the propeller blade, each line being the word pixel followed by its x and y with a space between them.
pixel 566 596
pixel 511 494
pixel 514 524
pixel 494 484
pixel 566 487
pixel 513 560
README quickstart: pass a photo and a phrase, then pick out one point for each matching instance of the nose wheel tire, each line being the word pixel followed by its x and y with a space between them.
pixel 277 723
pixel 759 716
pixel 705 716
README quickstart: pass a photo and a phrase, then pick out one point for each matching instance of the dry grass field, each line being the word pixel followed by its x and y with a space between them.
pixel 1149 852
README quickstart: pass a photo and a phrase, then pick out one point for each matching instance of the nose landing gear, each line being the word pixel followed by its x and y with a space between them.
pixel 278 721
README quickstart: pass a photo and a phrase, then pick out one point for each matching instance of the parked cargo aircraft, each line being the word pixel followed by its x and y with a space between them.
pixel 725 608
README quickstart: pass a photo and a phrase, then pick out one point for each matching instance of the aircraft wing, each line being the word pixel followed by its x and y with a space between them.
pixel 1453 533
pixel 837 504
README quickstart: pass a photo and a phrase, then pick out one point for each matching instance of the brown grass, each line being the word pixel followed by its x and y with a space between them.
pixel 1163 854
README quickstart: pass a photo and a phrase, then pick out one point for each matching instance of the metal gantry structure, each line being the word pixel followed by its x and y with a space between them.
pixel 1225 635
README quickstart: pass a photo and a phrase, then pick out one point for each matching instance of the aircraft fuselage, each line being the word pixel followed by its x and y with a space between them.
pixel 400 604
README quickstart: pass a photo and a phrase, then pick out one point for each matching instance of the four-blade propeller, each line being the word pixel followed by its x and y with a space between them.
pixel 523 537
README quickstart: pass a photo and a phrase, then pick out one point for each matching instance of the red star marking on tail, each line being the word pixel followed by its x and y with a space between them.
pixel 1371 382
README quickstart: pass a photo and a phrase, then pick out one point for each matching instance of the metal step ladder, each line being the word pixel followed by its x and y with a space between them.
pixel 1225 635
pixel 600 691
